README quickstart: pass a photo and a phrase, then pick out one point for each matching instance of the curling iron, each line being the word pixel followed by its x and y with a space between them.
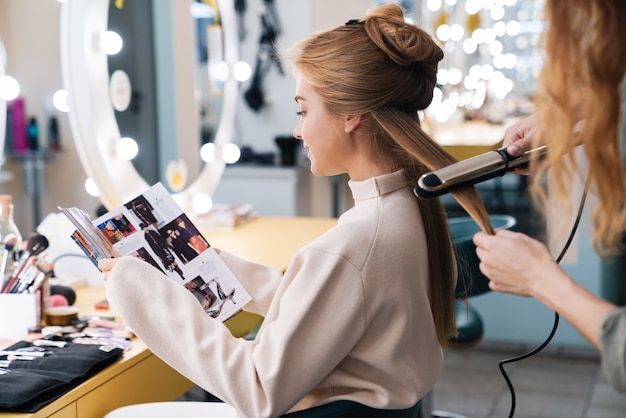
pixel 472 170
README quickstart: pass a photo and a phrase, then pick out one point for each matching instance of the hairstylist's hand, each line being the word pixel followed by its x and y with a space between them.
pixel 516 263
pixel 106 265
pixel 517 138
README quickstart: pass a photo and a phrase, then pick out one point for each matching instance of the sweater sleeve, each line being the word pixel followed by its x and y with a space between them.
pixel 612 338
pixel 317 324
pixel 260 281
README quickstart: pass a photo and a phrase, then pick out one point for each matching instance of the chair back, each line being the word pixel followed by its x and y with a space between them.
pixel 470 281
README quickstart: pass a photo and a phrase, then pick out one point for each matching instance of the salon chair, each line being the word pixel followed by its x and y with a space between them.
pixel 174 409
pixel 340 409
pixel 470 282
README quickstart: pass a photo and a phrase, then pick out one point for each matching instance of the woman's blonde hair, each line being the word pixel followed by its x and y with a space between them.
pixel 578 103
pixel 386 69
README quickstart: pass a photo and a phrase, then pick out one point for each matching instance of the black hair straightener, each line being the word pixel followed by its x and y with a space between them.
pixel 472 170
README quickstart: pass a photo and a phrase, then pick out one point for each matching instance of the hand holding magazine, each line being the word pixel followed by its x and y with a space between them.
pixel 154 228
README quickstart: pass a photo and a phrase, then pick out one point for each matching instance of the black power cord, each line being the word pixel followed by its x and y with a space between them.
pixel 556 315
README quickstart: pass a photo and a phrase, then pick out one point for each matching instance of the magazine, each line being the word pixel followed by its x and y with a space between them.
pixel 154 228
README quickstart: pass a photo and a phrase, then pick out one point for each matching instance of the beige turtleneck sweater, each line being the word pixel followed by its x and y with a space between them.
pixel 349 319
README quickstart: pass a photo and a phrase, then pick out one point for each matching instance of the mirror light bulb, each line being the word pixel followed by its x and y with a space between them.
pixel 443 32
pixel 470 83
pixel 497 12
pixel 499 28
pixel 454 76
pixel 231 153
pixel 513 28
pixel 202 203
pixel 91 188
pixel 59 100
pixel 469 46
pixel 127 148
pixel 433 5
pixel 111 43
pixel 218 71
pixel 9 88
pixel 456 32
pixel 207 152
pixel 510 61
pixel 242 71
pixel 495 48
pixel 202 11
pixel 472 7
pixel 442 76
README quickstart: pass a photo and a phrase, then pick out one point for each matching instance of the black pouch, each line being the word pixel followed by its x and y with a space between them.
pixel 27 386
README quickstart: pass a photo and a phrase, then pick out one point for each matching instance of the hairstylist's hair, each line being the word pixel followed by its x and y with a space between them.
pixel 580 81
pixel 385 69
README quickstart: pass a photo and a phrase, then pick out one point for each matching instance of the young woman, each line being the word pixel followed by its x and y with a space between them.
pixel 360 316
pixel 583 80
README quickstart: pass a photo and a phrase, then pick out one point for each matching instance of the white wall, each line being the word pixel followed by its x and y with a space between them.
pixel 30 32
pixel 298 19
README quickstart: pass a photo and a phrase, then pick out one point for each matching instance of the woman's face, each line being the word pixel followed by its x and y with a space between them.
pixel 321 132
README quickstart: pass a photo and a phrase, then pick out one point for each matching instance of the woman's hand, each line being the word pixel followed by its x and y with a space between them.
pixel 518 137
pixel 516 263
pixel 106 265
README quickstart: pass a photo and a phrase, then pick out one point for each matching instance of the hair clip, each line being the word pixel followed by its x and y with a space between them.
pixel 353 22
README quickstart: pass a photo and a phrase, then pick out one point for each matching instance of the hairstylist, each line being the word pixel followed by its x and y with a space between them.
pixel 582 104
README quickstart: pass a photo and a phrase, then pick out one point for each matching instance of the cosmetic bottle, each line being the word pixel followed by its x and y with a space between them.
pixel 10 237
pixel 54 144
pixel 32 133
pixel 18 123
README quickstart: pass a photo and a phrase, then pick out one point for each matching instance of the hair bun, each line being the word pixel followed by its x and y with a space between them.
pixel 403 42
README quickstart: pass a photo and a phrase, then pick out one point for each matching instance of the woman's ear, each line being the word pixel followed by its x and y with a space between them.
pixel 352 122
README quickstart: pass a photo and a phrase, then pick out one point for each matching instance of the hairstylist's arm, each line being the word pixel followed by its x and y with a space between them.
pixel 518 264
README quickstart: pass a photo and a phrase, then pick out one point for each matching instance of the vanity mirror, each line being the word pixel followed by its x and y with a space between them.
pixel 3 106
pixel 92 96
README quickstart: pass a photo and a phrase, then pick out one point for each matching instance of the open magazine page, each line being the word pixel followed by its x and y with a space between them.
pixel 87 236
pixel 154 228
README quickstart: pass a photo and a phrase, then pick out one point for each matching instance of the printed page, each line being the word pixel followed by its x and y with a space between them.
pixel 154 228
pixel 88 237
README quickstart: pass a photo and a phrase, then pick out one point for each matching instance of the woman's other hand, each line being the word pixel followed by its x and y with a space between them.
pixel 518 137
pixel 106 265
pixel 517 264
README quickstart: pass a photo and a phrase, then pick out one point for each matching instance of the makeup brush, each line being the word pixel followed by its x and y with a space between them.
pixel 36 243
pixel 9 244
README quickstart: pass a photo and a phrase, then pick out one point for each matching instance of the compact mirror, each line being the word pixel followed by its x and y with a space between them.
pixel 95 94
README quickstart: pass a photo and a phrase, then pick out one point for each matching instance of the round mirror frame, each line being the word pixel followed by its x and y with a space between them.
pixel 92 117
pixel 3 109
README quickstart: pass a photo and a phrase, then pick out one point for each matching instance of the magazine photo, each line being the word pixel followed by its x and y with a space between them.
pixel 153 228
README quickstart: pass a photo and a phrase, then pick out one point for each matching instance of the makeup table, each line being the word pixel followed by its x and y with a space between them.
pixel 140 376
